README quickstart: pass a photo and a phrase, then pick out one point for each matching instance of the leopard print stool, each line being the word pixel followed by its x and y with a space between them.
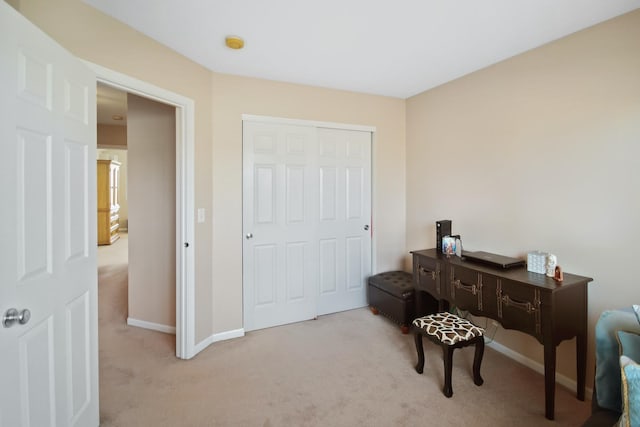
pixel 451 332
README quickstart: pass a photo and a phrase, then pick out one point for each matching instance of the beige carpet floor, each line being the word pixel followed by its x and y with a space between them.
pixel 345 369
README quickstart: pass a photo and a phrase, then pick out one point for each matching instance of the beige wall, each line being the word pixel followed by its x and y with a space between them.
pixel 151 133
pixel 233 96
pixel 112 136
pixel 541 151
pixel 98 38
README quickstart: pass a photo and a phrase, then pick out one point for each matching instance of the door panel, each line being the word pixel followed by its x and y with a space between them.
pixel 265 196
pixel 265 275
pixel 295 194
pixel 345 170
pixel 37 375
pixel 328 263
pixel 79 356
pixel 328 193
pixel 355 187
pixel 280 254
pixel 354 262
pixel 76 199
pixel 33 194
pixel 295 271
pixel 47 232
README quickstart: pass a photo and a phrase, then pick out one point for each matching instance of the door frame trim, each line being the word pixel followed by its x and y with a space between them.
pixel 185 142
pixel 310 123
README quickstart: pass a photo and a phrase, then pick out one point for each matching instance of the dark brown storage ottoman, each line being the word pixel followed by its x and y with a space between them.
pixel 392 294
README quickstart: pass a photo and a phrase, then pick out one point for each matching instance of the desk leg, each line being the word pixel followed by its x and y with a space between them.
pixel 549 379
pixel 581 364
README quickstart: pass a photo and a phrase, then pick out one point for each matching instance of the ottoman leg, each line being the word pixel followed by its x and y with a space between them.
pixel 447 353
pixel 420 350
pixel 477 360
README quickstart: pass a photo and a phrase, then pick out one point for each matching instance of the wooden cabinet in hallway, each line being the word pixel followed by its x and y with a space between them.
pixel 108 207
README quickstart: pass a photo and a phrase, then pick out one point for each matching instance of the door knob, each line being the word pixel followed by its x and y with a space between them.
pixel 366 227
pixel 249 236
pixel 12 316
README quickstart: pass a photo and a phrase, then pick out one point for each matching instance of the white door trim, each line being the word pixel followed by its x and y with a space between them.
pixel 185 131
pixel 310 123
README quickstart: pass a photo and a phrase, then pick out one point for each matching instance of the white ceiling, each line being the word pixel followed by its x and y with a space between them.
pixel 394 48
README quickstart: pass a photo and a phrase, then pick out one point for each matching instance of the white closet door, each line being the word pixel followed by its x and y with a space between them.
pixel 280 253
pixel 344 229
pixel 306 221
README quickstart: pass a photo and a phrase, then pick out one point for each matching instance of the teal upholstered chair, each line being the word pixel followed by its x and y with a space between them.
pixel 617 333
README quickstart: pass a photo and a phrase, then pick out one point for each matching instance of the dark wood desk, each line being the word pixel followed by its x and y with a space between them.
pixel 518 299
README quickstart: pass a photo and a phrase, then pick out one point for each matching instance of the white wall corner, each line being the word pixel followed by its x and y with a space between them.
pixel 221 336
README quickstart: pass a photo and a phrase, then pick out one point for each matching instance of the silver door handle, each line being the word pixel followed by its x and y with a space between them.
pixel 13 316
pixel 249 236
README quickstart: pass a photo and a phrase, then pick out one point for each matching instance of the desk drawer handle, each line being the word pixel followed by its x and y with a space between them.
pixel 423 270
pixel 526 306
pixel 469 288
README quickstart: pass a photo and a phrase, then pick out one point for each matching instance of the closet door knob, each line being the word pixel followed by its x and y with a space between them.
pixel 13 316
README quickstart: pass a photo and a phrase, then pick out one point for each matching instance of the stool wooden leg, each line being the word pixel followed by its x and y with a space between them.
pixel 477 361
pixel 420 364
pixel 447 353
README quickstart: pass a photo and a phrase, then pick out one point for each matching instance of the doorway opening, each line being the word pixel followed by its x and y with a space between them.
pixel 183 111
pixel 136 187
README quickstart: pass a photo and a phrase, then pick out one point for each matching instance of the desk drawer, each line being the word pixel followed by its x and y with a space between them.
pixel 519 307
pixel 466 288
pixel 428 276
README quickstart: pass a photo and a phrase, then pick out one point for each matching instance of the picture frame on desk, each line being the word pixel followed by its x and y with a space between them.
pixel 449 245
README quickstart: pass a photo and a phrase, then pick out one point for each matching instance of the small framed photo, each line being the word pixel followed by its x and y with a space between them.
pixel 448 245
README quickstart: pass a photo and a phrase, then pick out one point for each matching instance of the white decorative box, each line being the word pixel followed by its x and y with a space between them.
pixel 537 261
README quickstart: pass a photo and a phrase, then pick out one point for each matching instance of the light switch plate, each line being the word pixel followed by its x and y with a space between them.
pixel 200 215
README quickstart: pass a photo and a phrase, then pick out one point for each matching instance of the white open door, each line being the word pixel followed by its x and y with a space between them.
pixel 49 359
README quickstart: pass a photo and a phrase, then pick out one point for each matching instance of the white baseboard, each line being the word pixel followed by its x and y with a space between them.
pixel 222 336
pixel 150 325
pixel 538 367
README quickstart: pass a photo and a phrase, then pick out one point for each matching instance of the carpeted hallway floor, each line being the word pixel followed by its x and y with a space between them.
pixel 344 369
